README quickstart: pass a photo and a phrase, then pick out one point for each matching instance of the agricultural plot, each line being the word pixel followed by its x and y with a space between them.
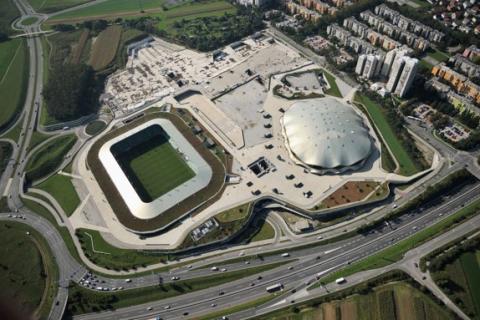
pixel 398 301
pixel 463 277
pixel 55 5
pixel 112 8
pixel 153 166
pixel 13 83
pixel 105 47
pixel 8 49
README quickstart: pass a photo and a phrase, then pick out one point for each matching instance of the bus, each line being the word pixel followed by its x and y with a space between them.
pixel 275 287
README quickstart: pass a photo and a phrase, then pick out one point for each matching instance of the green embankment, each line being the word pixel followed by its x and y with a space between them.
pixel 62 189
pixel 333 91
pixel 407 165
pixel 47 158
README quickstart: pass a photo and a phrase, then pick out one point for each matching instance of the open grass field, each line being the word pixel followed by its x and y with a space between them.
pixel 395 301
pixel 80 46
pixel 438 55
pixel 7 53
pixel 83 300
pixel 237 213
pixel 8 13
pixel 28 274
pixel 153 166
pixel 13 84
pixel 61 188
pixel 112 9
pixel 105 47
pixel 47 159
pixel 95 127
pixel 49 6
pixel 407 166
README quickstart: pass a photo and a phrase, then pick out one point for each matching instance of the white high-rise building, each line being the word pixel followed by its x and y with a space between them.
pixel 407 76
pixel 402 74
pixel 360 64
pixel 368 65
pixel 395 72
pixel 387 62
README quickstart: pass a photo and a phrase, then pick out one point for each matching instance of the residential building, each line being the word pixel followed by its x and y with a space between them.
pixel 402 74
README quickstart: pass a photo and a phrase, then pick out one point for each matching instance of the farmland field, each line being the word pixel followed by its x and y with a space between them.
pixel 54 5
pixel 105 47
pixel 398 301
pixel 126 8
pixel 153 166
pixel 7 53
pixel 463 276
pixel 407 166
pixel 13 83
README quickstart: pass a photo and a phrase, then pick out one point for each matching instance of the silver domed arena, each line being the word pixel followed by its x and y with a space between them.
pixel 326 136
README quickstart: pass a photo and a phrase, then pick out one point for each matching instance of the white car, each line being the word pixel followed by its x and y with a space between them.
pixel 128 280
pixel 167 307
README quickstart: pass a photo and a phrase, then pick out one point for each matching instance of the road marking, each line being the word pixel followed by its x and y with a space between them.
pixel 7 188
pixel 331 250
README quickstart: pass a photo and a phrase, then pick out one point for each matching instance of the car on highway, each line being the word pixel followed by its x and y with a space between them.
pixel 286 255
pixel 149 308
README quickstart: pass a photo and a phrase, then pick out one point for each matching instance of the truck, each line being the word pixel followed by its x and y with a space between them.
pixel 340 280
pixel 274 287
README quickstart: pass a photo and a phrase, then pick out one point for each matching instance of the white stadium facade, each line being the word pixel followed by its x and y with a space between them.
pixel 326 136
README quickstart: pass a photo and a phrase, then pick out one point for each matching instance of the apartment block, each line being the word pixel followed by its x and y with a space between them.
pixel 465 65
pixel 402 74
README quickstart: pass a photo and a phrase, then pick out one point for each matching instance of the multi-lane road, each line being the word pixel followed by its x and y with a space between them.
pixel 309 261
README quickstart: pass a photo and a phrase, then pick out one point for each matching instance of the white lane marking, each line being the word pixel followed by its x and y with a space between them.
pixel 331 250
pixel 7 188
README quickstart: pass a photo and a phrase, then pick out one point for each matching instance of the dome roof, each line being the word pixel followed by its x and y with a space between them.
pixel 326 133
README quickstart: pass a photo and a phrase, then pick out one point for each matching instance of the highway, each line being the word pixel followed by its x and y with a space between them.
pixel 310 261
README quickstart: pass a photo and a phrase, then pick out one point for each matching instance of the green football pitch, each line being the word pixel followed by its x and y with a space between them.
pixel 154 167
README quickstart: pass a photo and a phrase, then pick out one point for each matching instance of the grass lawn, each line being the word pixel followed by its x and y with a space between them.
pixel 28 270
pixel 105 47
pixel 111 9
pixel 95 127
pixel 396 252
pixel 407 166
pixel 425 64
pixel 37 138
pixel 153 166
pixel 333 91
pixel 14 132
pixel 7 53
pixel 438 55
pixel 233 214
pixel 13 85
pixel 266 232
pixel 61 188
pixel 47 159
pixel 54 5
pixel 29 21
pixel 83 300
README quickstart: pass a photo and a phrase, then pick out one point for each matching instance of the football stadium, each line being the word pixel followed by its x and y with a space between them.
pixel 326 136
pixel 158 172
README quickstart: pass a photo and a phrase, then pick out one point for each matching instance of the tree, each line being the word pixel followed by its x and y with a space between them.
pixel 3 37
pixel 72 91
